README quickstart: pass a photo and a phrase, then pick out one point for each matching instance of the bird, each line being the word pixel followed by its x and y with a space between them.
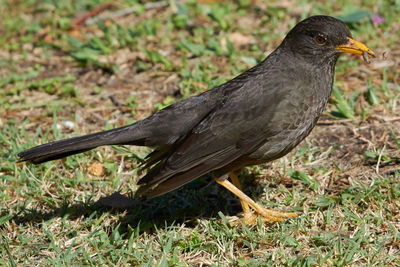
pixel 257 117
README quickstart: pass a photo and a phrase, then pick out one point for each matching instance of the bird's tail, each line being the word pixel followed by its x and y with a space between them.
pixel 63 148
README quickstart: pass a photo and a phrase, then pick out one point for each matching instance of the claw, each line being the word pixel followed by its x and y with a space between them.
pixel 250 217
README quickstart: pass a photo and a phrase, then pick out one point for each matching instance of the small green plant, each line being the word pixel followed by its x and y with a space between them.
pixel 132 103
pixel 156 57
pixel 344 108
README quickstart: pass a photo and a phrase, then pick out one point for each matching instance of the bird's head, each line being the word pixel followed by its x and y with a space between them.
pixel 322 38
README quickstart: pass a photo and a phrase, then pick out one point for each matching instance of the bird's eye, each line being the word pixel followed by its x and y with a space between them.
pixel 320 40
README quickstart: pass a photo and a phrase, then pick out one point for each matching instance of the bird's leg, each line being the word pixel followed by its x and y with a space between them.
pixel 247 214
pixel 267 215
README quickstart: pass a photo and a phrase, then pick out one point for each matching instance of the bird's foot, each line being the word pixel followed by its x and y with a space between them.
pixel 251 209
pixel 266 216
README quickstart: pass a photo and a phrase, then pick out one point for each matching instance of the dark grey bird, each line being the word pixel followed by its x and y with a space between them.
pixel 257 117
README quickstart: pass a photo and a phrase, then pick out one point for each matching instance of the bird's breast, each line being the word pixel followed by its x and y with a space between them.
pixel 295 117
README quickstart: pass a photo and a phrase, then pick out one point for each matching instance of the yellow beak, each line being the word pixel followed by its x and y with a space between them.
pixel 355 47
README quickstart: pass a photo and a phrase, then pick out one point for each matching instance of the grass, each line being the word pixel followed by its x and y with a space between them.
pixel 59 80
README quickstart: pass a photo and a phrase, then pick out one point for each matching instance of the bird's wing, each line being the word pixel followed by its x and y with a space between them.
pixel 168 125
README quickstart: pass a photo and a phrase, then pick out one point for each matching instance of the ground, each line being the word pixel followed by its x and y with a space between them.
pixel 61 76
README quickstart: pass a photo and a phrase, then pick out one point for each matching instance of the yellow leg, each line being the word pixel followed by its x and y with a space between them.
pixel 267 215
pixel 235 181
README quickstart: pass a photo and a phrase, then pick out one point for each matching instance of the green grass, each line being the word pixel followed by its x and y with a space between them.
pixel 57 81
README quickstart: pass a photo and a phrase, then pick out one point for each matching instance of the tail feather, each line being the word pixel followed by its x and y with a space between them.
pixel 63 148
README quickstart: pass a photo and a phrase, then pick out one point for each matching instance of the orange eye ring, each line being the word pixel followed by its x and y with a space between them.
pixel 320 40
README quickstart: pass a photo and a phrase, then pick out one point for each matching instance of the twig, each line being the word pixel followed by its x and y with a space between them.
pixel 379 161
pixel 85 17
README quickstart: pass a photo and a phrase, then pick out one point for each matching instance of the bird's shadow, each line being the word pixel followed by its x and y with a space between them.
pixel 202 198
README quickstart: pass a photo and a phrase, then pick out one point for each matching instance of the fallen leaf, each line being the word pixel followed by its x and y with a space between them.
pixel 96 169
